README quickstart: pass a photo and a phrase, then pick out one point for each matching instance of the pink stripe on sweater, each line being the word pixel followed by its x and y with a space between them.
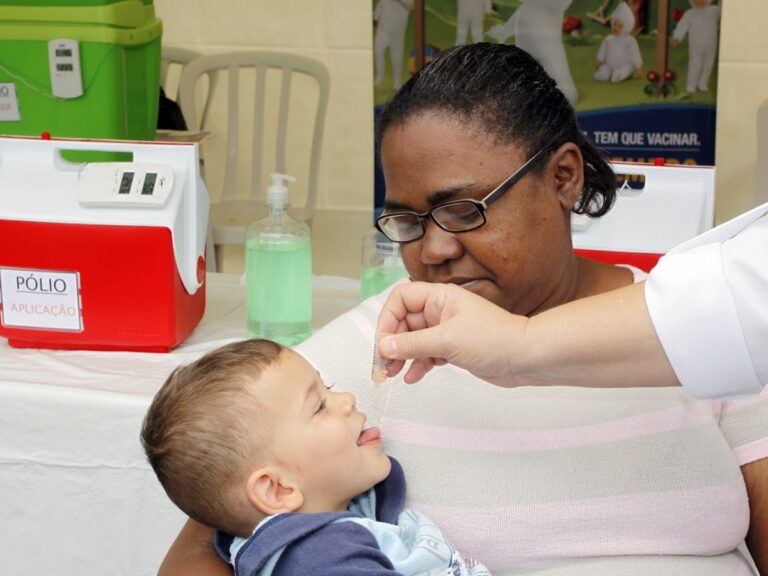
pixel 676 418
pixel 735 406
pixel 505 537
pixel 751 452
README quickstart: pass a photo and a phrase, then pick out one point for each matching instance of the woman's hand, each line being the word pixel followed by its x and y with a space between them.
pixel 438 323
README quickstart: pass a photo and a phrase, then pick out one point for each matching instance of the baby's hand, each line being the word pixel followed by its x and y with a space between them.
pixel 674 42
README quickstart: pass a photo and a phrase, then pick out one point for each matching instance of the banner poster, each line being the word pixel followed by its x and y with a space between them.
pixel 641 74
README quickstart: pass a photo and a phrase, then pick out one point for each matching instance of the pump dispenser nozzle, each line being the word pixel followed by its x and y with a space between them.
pixel 277 193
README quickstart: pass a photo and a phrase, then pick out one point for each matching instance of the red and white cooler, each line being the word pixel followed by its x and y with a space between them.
pixel 101 255
pixel 656 208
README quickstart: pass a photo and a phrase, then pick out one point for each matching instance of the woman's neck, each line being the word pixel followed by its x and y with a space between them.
pixel 597 277
pixel 585 278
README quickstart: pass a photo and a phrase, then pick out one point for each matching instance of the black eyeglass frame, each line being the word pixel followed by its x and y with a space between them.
pixel 480 205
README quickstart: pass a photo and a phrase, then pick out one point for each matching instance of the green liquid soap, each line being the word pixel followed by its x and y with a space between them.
pixel 278 270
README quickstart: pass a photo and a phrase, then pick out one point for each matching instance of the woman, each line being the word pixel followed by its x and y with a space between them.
pixel 531 479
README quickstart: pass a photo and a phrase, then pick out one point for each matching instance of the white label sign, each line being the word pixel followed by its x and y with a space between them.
pixel 40 299
pixel 9 104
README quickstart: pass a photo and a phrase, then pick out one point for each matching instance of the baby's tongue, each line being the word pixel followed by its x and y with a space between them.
pixel 367 435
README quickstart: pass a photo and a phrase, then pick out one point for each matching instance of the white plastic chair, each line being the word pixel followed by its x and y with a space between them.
pixel 273 84
pixel 675 204
pixel 173 59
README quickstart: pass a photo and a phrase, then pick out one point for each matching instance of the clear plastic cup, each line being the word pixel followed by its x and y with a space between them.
pixel 381 266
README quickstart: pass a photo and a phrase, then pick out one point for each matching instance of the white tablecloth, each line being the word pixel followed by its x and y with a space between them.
pixel 77 496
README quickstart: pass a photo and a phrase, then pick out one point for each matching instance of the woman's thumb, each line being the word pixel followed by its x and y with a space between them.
pixel 418 344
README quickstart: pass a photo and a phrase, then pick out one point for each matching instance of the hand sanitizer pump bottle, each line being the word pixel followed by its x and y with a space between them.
pixel 278 272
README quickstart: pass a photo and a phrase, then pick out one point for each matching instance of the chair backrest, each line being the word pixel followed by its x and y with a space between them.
pixel 174 57
pixel 173 60
pixel 675 204
pixel 269 131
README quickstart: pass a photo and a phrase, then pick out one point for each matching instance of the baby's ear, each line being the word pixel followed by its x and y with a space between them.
pixel 272 492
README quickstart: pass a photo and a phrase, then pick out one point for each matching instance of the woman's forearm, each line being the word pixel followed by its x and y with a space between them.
pixel 607 340
pixel 192 554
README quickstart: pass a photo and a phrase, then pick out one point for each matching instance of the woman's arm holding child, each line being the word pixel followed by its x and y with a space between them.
pixel 192 554
pixel 756 478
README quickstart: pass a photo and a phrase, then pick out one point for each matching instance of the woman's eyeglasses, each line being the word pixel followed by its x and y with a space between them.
pixel 456 216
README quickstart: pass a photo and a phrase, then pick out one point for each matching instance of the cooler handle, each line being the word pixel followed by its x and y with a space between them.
pixel 145 152
pixel 125 14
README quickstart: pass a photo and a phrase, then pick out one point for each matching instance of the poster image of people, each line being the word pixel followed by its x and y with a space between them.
pixel 641 74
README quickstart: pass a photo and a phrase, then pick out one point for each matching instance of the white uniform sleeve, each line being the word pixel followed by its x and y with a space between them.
pixel 709 305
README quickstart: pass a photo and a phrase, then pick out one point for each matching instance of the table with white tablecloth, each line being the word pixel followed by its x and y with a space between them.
pixel 77 496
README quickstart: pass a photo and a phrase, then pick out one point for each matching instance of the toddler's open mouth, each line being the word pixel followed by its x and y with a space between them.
pixel 369 436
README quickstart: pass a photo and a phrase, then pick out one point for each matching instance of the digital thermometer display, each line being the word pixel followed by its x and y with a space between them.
pixel 64 68
pixel 125 183
pixel 120 184
pixel 149 184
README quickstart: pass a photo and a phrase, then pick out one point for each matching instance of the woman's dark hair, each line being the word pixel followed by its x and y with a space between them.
pixel 504 89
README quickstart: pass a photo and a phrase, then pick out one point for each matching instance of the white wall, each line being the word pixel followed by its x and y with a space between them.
pixel 742 88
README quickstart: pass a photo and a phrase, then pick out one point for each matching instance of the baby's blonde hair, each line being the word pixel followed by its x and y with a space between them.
pixel 201 434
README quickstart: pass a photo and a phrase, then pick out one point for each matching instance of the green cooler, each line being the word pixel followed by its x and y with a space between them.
pixel 80 69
